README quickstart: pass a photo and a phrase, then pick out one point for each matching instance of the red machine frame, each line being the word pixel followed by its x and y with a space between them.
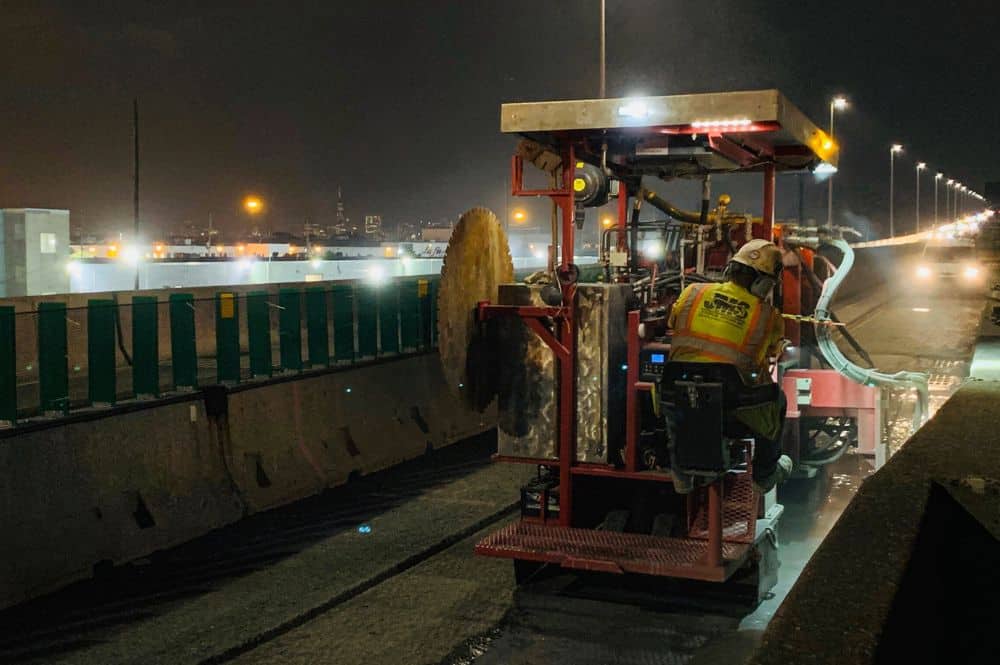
pixel 713 557
pixel 722 527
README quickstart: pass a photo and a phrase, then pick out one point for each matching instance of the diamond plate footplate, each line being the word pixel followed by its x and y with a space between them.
pixel 587 549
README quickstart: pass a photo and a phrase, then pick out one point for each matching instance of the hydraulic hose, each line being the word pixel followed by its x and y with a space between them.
pixel 839 362
pixel 668 208
pixel 815 282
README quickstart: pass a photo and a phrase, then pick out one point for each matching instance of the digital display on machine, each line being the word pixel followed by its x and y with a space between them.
pixel 656 358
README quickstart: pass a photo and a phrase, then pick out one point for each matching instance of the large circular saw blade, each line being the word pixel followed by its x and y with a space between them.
pixel 476 263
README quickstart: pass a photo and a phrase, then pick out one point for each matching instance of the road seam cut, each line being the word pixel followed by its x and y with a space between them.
pixel 361 587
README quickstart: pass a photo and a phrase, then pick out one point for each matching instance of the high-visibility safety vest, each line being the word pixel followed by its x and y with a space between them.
pixel 725 323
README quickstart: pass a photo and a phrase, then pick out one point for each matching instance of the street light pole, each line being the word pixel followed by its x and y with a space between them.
pixel 947 197
pixel 835 104
pixel 892 185
pixel 603 52
pixel 937 179
pixel 920 167
pixel 135 183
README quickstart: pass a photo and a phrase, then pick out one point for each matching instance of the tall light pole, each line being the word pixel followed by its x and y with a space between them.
pixel 603 52
pixel 135 181
pixel 892 178
pixel 920 167
pixel 947 197
pixel 836 104
pixel 937 179
pixel 254 207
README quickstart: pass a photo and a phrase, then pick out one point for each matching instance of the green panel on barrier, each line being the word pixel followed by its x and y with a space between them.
pixel 290 328
pixel 319 338
pixel 259 333
pixel 424 303
pixel 53 373
pixel 145 347
pixel 367 321
pixel 183 348
pixel 409 315
pixel 433 294
pixel 101 352
pixel 227 337
pixel 343 322
pixel 388 317
pixel 8 365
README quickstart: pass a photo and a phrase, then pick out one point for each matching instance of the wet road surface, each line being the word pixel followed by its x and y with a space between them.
pixel 562 622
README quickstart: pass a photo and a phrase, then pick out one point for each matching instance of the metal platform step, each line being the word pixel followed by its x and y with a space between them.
pixel 612 552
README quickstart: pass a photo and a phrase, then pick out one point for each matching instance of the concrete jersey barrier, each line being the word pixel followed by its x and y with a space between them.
pixel 107 487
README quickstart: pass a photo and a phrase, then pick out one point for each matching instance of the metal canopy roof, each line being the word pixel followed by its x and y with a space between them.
pixel 679 135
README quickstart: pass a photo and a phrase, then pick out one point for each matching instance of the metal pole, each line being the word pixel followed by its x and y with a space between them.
pixel 892 175
pixel 802 199
pixel 135 183
pixel 936 179
pixel 767 232
pixel 918 199
pixel 829 182
pixel 603 52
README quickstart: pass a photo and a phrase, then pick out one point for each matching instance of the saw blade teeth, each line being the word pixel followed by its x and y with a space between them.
pixel 476 262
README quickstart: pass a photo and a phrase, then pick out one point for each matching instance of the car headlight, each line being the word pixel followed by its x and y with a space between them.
pixel 971 272
pixel 923 272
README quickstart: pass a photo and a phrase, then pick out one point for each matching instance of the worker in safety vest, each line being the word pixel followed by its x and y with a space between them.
pixel 732 322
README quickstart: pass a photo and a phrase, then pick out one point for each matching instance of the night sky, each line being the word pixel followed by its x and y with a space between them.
pixel 398 102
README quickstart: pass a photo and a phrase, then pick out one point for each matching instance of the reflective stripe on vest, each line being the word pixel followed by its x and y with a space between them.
pixel 744 355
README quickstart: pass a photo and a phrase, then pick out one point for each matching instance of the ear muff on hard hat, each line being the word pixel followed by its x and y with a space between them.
pixel 763 285
pixel 764 258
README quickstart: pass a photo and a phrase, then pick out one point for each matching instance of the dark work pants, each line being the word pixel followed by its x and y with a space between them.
pixel 766 452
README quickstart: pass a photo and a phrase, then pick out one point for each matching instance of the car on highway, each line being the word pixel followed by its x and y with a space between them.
pixel 951 263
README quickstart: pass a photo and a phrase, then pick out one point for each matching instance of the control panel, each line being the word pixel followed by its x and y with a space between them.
pixel 652 358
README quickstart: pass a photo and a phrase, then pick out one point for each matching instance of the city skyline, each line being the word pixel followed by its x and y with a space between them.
pixel 292 104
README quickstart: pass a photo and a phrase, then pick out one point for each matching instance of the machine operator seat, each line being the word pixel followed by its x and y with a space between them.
pixel 700 402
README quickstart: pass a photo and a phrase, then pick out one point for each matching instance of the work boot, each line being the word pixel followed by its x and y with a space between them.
pixel 782 470
pixel 683 482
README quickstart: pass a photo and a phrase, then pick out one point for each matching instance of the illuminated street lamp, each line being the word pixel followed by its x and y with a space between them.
pixel 838 103
pixel 920 167
pixel 892 177
pixel 520 216
pixel 253 205
pixel 937 180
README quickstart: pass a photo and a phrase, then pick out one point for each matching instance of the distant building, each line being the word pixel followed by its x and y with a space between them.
pixel 341 228
pixel 373 226
pixel 436 233
pixel 312 231
pixel 35 251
